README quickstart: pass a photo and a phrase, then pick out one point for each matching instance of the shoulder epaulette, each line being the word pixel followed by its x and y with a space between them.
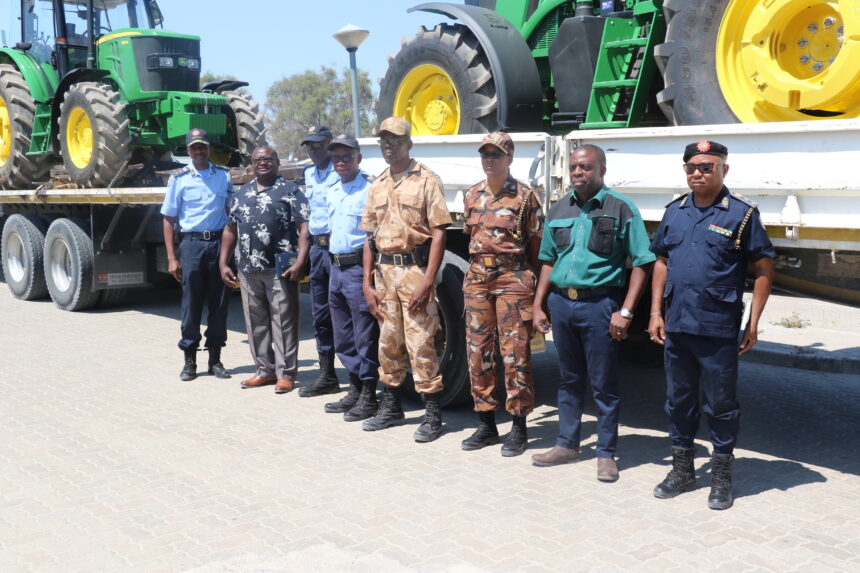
pixel 678 198
pixel 221 167
pixel 742 199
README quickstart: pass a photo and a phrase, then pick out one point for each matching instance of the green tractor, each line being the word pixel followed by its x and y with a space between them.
pixel 557 65
pixel 100 84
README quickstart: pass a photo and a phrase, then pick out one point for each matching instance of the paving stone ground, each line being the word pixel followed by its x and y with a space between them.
pixel 109 463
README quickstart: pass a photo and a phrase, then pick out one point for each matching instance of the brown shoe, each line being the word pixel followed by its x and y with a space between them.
pixel 555 456
pixel 284 385
pixel 257 381
pixel 607 470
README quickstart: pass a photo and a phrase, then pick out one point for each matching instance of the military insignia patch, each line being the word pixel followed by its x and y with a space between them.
pixel 704 146
pixel 720 230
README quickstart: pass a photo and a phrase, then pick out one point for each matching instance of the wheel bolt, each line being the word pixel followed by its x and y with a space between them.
pixel 817 67
pixel 840 30
pixel 802 43
pixel 804 59
pixel 812 27
pixel 829 21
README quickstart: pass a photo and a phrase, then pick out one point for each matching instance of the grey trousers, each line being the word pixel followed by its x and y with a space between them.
pixel 271 308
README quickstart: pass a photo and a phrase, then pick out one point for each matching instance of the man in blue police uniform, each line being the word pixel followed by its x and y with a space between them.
pixel 585 246
pixel 704 244
pixel 319 177
pixel 356 330
pixel 197 197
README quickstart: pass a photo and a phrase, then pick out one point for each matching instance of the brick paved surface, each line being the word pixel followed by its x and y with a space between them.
pixel 109 463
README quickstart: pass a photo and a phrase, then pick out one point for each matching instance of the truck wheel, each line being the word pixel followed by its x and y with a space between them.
pixel 17 108
pixel 111 297
pixel 441 83
pixel 22 248
pixel 764 61
pixel 245 130
pixel 94 136
pixel 69 265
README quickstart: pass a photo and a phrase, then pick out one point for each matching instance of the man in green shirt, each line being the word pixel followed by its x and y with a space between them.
pixel 587 240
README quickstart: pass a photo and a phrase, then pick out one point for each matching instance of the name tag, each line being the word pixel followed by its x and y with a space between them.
pixel 720 230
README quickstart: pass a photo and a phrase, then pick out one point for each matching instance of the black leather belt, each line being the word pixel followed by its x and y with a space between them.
pixel 583 293
pixel 320 240
pixel 396 259
pixel 201 235
pixel 498 260
pixel 347 259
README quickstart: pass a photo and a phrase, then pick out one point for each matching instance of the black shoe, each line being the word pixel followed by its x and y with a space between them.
pixel 326 382
pixel 189 371
pixel 215 367
pixel 390 414
pixel 348 401
pixel 366 406
pixel 431 428
pixel 486 435
pixel 721 481
pixel 682 476
pixel 517 440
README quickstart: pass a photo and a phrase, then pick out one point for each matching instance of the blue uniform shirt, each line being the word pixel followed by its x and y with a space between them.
pixel 199 198
pixel 706 270
pixel 346 207
pixel 317 184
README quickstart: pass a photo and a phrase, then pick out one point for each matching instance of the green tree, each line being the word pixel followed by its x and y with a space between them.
pixel 323 97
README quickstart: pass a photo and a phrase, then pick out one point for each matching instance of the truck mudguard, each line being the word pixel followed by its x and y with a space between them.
pixel 515 72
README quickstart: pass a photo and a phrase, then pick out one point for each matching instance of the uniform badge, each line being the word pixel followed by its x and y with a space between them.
pixel 720 230
pixel 725 202
pixel 703 146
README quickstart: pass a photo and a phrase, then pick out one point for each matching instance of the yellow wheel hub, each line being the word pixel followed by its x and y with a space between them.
pixel 428 100
pixel 778 57
pixel 5 133
pixel 79 138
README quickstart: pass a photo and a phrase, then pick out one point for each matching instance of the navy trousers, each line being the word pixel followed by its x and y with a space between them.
pixel 356 330
pixel 707 365
pixel 319 280
pixel 586 355
pixel 202 284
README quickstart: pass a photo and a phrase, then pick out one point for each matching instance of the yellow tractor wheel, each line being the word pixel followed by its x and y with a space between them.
pixel 17 109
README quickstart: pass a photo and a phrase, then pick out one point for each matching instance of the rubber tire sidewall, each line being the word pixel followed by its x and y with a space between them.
pixel 20 171
pixel 80 294
pixel 31 232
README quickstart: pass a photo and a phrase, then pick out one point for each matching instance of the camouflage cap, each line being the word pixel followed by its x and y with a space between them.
pixel 345 140
pixel 316 134
pixel 196 135
pixel 705 147
pixel 498 139
pixel 395 126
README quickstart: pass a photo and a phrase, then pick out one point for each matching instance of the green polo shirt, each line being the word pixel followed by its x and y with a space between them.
pixel 589 244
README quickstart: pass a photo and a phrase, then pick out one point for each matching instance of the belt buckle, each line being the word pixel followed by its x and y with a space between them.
pixel 573 294
pixel 397 258
pixel 207 236
pixel 488 260
pixel 336 258
pixel 323 241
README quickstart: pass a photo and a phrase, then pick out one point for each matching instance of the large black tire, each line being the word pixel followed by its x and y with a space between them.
pixel 245 130
pixel 22 250
pixel 69 265
pixel 94 159
pixel 455 50
pixel 17 109
pixel 111 297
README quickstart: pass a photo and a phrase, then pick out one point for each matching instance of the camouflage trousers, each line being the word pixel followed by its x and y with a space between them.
pixel 403 332
pixel 498 304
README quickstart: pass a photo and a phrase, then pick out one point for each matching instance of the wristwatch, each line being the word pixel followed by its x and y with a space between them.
pixel 625 313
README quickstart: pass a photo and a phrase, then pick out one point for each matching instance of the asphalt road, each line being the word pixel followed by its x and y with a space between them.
pixel 109 463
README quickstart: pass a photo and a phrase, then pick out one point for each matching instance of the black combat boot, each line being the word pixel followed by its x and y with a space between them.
pixel 721 481
pixel 487 433
pixel 215 367
pixel 348 401
pixel 366 406
pixel 390 413
pixel 326 382
pixel 189 371
pixel 431 428
pixel 682 476
pixel 518 438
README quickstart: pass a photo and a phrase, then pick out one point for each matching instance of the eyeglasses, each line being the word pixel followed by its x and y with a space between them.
pixel 342 158
pixel 392 141
pixel 705 168
pixel 315 146
pixel 491 154
pixel 256 160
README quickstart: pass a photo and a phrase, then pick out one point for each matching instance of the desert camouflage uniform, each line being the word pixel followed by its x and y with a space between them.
pixel 401 215
pixel 499 291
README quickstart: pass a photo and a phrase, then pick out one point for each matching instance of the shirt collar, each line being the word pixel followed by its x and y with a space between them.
pixel 721 202
pixel 278 182
pixel 355 183
pixel 598 199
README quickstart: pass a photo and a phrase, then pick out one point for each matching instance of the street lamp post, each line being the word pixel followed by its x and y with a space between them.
pixel 351 37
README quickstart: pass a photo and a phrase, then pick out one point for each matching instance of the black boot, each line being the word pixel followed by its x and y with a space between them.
pixel 390 414
pixel 431 428
pixel 518 438
pixel 326 382
pixel 721 481
pixel 487 433
pixel 366 406
pixel 215 367
pixel 189 371
pixel 682 476
pixel 347 401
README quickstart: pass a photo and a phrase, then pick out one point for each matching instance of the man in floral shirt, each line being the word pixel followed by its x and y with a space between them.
pixel 268 216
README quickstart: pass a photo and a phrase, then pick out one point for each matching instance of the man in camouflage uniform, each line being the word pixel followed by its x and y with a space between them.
pixel 503 220
pixel 405 217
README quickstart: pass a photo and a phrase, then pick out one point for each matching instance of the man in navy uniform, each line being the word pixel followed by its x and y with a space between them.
pixel 319 177
pixel 704 245
pixel 356 331
pixel 197 197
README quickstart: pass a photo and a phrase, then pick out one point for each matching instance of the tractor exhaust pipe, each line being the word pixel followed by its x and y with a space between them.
pixel 584 8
